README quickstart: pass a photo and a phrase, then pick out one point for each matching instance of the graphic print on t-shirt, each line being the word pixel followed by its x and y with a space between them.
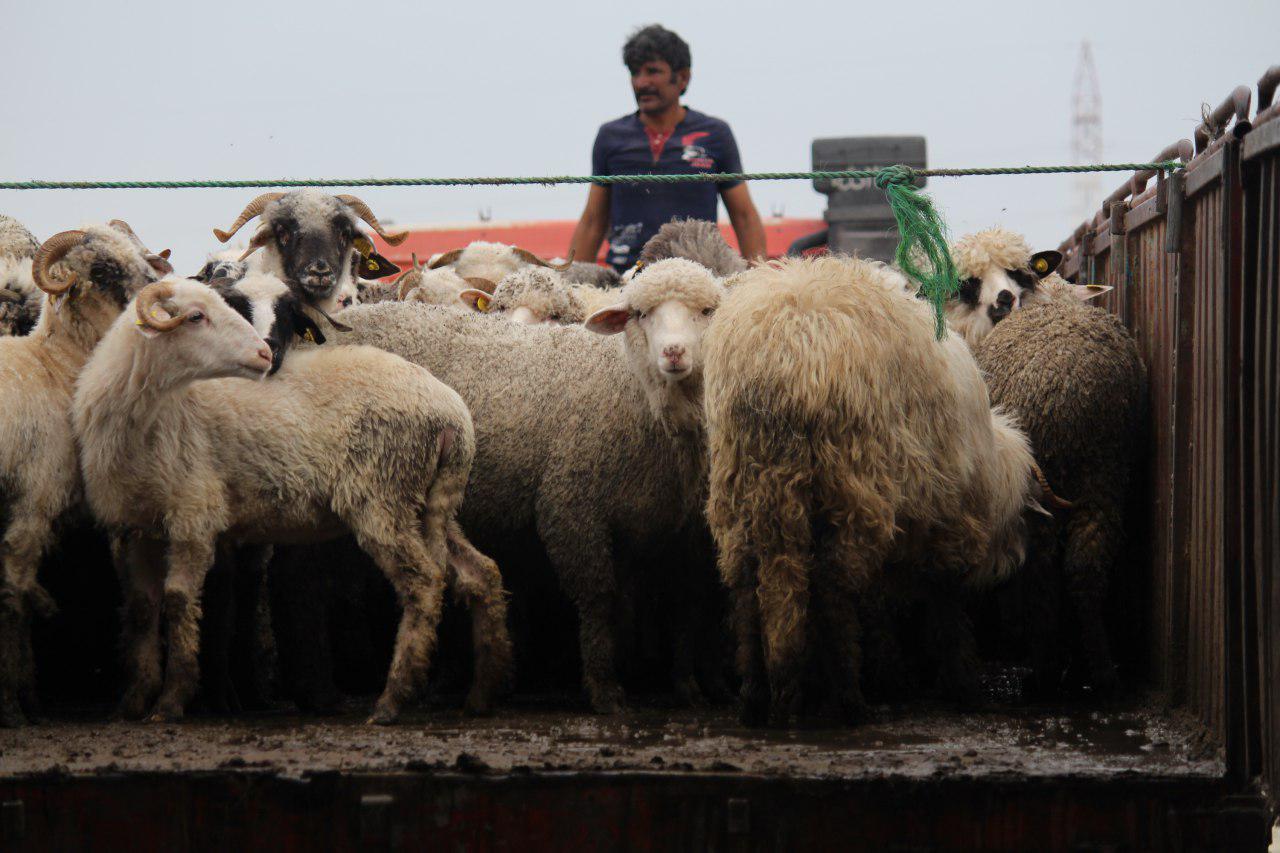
pixel 695 155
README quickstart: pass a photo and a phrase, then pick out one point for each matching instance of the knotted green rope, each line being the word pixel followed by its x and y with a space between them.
pixel 604 180
pixel 922 253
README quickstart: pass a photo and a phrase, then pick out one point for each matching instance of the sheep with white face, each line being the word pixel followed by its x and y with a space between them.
pixel 342 440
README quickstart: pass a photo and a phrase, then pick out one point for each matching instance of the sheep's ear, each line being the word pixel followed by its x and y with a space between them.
pixel 1085 292
pixel 609 321
pixel 373 266
pixel 1043 263
pixel 477 299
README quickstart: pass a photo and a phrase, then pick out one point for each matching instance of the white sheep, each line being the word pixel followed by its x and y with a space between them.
pixel 89 274
pixel 842 436
pixel 341 440
pixel 593 444
pixel 490 261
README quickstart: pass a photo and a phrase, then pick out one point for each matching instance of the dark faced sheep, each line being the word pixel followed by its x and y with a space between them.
pixel 1071 374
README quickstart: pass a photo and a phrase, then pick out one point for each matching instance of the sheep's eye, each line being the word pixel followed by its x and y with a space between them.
pixel 195 317
pixel 707 312
pixel 642 314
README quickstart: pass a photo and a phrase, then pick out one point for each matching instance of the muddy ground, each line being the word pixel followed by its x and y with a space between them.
pixel 912 745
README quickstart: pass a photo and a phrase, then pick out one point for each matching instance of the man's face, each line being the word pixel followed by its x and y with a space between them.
pixel 657 88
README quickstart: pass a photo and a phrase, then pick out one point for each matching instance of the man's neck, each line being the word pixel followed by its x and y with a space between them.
pixel 664 121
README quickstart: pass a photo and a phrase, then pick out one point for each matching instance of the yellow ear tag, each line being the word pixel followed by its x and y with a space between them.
pixel 1042 266
pixel 482 302
pixel 371 265
pixel 308 335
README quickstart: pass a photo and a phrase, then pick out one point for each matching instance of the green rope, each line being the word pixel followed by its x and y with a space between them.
pixel 922 252
pixel 603 180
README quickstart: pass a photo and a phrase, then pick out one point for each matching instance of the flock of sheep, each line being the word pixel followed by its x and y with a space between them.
pixel 801 415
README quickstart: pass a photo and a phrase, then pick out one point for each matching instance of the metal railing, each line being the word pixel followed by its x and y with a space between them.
pixel 1195 266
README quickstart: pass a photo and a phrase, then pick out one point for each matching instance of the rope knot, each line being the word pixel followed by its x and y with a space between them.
pixel 895 175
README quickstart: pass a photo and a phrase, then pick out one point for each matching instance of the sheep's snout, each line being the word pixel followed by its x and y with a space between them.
pixel 318 276
pixel 1005 303
pixel 673 359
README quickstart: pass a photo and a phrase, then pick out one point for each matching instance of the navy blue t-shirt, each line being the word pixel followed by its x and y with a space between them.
pixel 700 143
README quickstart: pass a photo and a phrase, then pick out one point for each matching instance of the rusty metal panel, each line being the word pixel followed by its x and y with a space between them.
pixel 1261 420
pixel 1202 551
pixel 1152 302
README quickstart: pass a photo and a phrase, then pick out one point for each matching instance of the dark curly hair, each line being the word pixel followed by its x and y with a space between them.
pixel 656 42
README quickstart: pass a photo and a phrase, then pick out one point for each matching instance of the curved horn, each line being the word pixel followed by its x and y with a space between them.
pixel 530 258
pixel 259 240
pixel 362 210
pixel 1047 492
pixel 407 282
pixel 449 257
pixel 251 210
pixel 50 252
pixel 148 299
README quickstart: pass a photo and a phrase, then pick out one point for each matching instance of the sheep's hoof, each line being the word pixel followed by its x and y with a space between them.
pixel 754 711
pixel 608 700
pixel 854 710
pixel 478 704
pixel 165 712
pixel 132 706
pixel 383 715
pixel 1105 682
pixel 11 716
pixel 689 693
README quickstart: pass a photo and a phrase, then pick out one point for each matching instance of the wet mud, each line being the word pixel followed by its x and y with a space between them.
pixel 920 744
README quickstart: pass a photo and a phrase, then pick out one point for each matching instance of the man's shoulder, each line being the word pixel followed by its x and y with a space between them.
pixel 622 124
pixel 702 120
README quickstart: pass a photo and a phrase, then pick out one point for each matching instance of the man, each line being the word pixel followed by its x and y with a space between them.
pixel 661 138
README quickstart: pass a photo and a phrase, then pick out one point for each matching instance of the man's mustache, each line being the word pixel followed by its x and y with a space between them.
pixel 641 93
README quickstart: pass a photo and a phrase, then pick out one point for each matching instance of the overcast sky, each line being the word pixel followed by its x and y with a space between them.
pixel 310 89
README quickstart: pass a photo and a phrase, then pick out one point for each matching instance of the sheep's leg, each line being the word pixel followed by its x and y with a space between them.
pixel 21 596
pixel 416 568
pixel 736 564
pixel 1093 537
pixel 14 631
pixel 217 630
pixel 840 574
pixel 477 581
pixel 584 564
pixel 250 645
pixel 1031 608
pixel 299 616
pixel 189 562
pixel 783 593
pixel 140 567
pixel 953 640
